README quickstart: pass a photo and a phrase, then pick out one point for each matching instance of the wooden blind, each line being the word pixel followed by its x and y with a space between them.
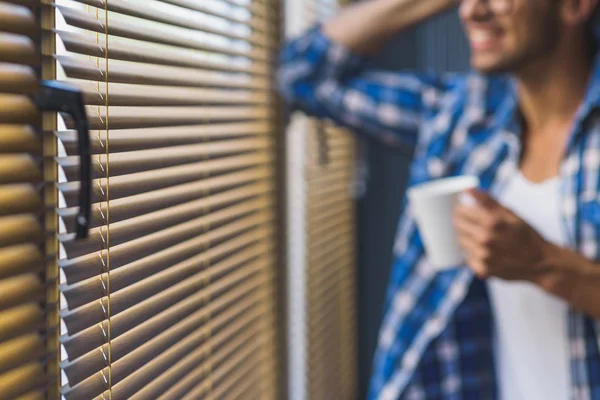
pixel 22 261
pixel 331 251
pixel 331 264
pixel 173 294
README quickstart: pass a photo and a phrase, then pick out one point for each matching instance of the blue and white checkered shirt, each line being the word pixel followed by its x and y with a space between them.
pixel 435 340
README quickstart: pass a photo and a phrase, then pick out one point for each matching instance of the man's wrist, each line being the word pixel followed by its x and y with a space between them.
pixel 562 272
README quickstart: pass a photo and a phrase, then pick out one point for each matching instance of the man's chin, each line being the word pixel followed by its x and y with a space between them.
pixel 490 68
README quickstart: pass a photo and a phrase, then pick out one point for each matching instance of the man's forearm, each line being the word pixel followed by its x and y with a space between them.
pixel 572 277
pixel 366 26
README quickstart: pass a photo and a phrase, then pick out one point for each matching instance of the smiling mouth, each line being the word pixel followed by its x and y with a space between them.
pixel 481 40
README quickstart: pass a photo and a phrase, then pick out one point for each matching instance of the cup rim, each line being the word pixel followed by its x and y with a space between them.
pixel 443 186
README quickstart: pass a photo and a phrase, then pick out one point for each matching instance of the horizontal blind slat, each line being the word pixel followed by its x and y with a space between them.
pixel 19 199
pixel 88 315
pixel 159 338
pixel 20 320
pixel 141 30
pixel 178 379
pixel 130 385
pixel 219 294
pixel 228 14
pixel 17 168
pixel 151 10
pixel 19 229
pixel 167 56
pixel 95 385
pixel 167 305
pixel 145 267
pixel 145 160
pixel 147 181
pixel 31 4
pixel 19 138
pixel 148 138
pixel 256 7
pixel 21 350
pixel 236 370
pixel 124 258
pixel 145 74
pixel 131 206
pixel 323 191
pixel 236 360
pixel 340 224
pixel 244 385
pixel 150 117
pixel 19 290
pixel 18 49
pixel 33 395
pixel 17 79
pixel 328 243
pixel 316 219
pixel 17 109
pixel 22 380
pixel 240 376
pixel 20 259
pixel 124 94
pixel 17 19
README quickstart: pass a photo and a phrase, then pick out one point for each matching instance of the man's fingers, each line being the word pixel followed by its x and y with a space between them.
pixel 482 198
pixel 479 268
pixel 468 239
pixel 474 214
pixel 472 248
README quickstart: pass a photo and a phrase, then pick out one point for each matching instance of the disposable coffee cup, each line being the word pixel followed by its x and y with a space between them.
pixel 433 204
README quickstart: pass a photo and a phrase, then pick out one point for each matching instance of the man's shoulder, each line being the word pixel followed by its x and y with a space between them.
pixel 467 90
pixel 473 83
pixel 471 104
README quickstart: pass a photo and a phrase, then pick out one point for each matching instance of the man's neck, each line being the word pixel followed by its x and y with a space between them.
pixel 551 91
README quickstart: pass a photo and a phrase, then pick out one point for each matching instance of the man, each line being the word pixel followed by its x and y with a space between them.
pixel 521 321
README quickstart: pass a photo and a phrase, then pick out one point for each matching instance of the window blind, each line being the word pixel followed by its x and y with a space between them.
pixel 22 261
pixel 321 244
pixel 331 352
pixel 331 263
pixel 173 296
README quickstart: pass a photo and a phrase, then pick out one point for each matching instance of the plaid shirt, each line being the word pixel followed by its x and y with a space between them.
pixel 435 341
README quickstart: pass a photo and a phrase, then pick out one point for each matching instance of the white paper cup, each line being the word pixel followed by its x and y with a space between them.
pixel 432 204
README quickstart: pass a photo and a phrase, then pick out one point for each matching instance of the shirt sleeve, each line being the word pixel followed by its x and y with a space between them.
pixel 327 80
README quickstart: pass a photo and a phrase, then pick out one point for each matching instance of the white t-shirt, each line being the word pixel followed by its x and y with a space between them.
pixel 531 339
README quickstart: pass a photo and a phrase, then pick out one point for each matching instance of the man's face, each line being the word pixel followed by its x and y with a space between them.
pixel 510 41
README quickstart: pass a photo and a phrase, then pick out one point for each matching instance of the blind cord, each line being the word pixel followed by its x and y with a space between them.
pixel 107 198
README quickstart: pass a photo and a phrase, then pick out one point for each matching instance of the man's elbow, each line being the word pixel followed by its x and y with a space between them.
pixel 290 79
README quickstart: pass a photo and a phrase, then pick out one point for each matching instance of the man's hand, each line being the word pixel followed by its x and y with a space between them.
pixel 497 242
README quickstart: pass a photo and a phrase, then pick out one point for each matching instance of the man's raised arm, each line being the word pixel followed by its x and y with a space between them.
pixel 324 72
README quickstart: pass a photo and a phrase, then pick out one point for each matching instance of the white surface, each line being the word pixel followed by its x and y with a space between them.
pixel 433 206
pixel 296 233
pixel 531 339
pixel 296 268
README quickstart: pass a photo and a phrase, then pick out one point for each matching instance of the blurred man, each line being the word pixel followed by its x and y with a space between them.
pixel 522 322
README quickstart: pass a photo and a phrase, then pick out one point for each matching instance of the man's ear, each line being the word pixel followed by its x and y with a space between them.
pixel 575 12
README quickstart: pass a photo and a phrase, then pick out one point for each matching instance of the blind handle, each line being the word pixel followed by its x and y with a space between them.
pixel 60 97
pixel 323 144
